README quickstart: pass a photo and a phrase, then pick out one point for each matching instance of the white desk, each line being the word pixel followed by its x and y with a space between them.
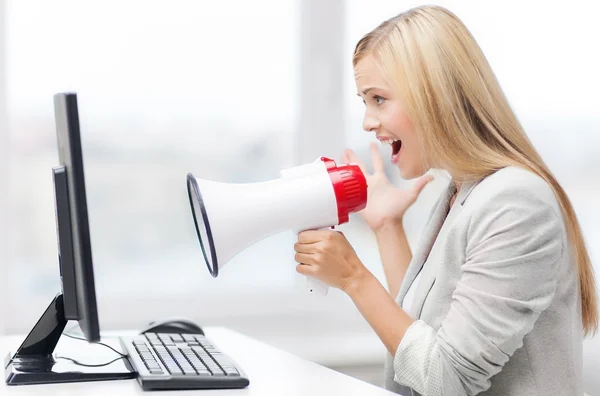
pixel 270 370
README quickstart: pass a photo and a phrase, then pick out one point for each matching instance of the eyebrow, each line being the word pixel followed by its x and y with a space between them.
pixel 366 91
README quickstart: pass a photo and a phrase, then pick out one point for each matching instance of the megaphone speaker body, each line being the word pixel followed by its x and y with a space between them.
pixel 231 217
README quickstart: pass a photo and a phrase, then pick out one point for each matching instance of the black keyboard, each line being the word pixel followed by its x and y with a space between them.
pixel 181 361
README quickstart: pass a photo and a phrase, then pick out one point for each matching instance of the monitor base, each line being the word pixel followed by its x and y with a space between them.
pixel 47 370
pixel 35 363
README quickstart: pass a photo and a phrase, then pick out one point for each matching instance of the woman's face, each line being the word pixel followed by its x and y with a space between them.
pixel 385 116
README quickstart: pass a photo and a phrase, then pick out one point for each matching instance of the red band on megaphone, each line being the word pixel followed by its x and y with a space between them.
pixel 350 186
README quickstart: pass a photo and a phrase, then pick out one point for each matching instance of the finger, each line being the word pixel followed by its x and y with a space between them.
pixel 304 258
pixel 352 157
pixel 421 183
pixel 313 236
pixel 306 248
pixel 376 158
pixel 306 269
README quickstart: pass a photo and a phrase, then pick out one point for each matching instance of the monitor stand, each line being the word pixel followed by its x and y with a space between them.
pixel 34 362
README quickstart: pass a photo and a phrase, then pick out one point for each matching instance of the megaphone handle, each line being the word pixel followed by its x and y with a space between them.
pixel 314 285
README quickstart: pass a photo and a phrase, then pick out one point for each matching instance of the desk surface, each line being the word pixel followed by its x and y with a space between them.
pixel 270 370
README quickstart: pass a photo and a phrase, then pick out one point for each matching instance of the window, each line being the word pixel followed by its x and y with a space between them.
pixel 227 91
pixel 164 88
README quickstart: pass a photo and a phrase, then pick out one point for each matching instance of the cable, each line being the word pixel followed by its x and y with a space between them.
pixel 100 343
pixel 90 365
pixel 121 355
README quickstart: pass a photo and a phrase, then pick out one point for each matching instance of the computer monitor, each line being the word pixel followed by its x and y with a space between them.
pixel 34 362
pixel 80 303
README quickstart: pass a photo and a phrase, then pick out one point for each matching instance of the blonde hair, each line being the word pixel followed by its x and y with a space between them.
pixel 455 102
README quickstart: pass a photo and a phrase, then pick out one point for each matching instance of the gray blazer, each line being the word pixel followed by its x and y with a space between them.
pixel 498 303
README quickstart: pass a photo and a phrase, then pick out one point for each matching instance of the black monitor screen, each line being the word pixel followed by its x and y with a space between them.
pixel 71 158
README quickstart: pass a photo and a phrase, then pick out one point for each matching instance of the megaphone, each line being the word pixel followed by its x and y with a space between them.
pixel 231 217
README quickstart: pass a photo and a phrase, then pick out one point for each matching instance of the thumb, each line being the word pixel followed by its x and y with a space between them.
pixel 345 158
pixel 350 156
pixel 420 184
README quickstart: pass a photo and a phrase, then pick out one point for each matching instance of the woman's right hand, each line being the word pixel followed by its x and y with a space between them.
pixel 386 203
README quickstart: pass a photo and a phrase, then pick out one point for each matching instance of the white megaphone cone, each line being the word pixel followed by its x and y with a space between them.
pixel 231 217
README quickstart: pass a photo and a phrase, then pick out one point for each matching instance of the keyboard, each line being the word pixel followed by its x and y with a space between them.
pixel 181 361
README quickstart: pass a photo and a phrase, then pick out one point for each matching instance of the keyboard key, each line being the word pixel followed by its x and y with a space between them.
pixel 174 370
pixel 189 337
pixel 184 364
pixel 198 349
pixel 223 361
pixel 156 371
pixel 215 369
pixel 166 339
pixel 199 366
pixel 176 338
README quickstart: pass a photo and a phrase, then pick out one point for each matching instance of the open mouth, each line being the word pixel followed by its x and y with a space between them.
pixel 396 146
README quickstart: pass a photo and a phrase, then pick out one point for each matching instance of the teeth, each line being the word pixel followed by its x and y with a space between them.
pixel 389 141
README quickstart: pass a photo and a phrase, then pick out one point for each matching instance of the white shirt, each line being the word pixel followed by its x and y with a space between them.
pixel 410 294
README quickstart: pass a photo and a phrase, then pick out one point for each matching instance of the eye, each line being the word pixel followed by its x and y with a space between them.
pixel 378 99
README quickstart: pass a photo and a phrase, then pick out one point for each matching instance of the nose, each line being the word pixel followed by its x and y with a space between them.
pixel 370 123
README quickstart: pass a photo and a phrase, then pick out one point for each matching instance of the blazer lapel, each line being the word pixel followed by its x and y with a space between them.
pixel 427 239
pixel 438 234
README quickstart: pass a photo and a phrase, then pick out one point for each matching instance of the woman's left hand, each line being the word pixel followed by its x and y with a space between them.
pixel 329 257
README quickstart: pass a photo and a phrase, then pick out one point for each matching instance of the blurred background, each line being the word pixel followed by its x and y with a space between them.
pixel 235 91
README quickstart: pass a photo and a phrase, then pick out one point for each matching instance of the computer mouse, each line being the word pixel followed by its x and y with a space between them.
pixel 178 325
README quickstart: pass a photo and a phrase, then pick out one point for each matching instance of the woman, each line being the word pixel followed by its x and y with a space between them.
pixel 500 292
